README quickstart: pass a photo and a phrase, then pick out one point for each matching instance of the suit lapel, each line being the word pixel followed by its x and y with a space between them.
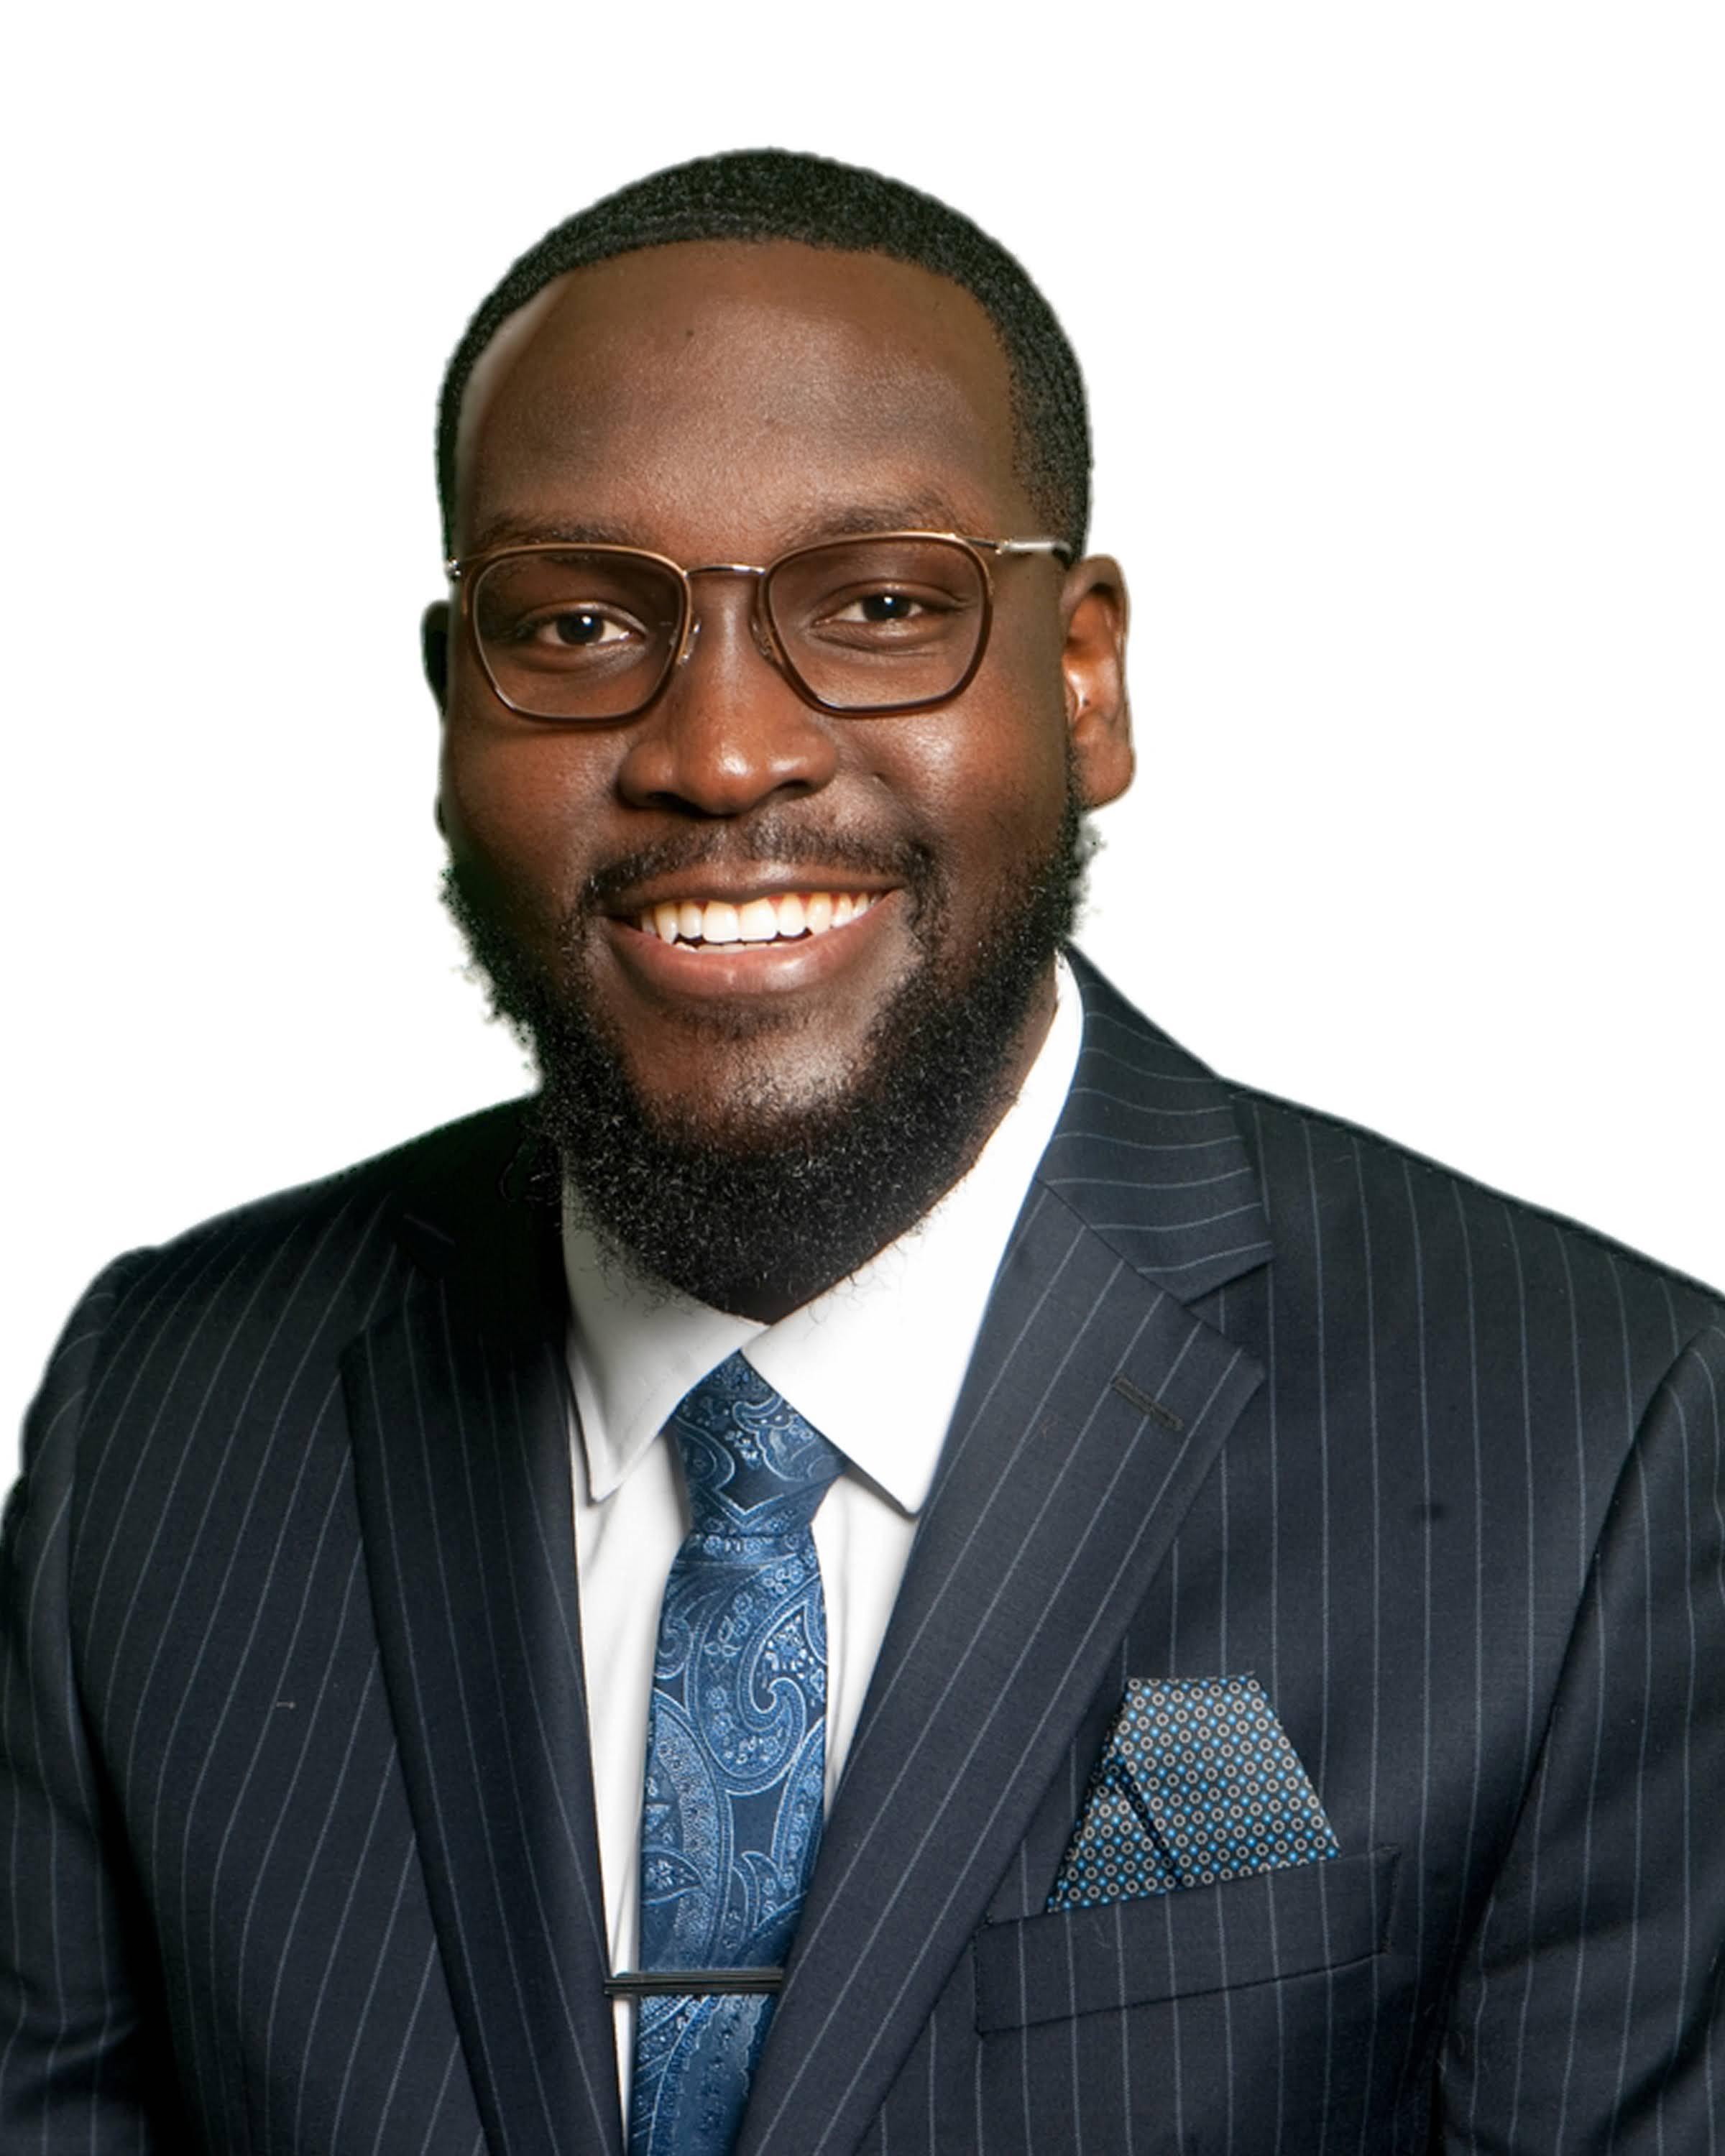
pixel 1095 1404
pixel 460 1421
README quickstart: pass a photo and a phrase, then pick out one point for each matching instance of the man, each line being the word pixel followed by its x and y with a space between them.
pixel 1196 1628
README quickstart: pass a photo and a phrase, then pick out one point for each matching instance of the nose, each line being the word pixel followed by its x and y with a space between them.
pixel 727 732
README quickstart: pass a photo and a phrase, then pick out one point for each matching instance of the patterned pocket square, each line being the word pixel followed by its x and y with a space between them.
pixel 1197 1783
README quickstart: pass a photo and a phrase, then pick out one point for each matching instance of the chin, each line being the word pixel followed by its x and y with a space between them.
pixel 797 1161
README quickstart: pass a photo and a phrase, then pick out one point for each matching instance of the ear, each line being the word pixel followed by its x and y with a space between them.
pixel 1094 607
pixel 435 654
pixel 435 648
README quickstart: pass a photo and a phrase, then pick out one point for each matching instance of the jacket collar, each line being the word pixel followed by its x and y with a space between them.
pixel 1150 1153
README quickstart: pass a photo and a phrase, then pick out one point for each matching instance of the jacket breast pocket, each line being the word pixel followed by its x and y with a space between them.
pixel 1297 1920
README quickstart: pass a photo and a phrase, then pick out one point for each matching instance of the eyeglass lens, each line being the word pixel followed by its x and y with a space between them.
pixel 863 624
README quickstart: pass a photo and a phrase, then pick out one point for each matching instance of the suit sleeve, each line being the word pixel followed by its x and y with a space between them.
pixel 80 2054
pixel 1591 2011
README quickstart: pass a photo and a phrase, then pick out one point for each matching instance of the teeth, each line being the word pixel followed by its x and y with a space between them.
pixel 757 920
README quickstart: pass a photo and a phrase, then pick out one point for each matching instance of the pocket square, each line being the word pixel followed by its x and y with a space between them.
pixel 1197 1783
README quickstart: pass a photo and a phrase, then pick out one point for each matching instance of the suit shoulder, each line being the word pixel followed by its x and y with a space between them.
pixel 468 1152
pixel 318 1248
pixel 1299 1148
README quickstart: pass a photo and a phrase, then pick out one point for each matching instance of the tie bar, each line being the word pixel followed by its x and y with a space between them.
pixel 690 1983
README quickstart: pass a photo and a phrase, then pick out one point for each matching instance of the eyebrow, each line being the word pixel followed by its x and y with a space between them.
pixel 535 531
pixel 929 512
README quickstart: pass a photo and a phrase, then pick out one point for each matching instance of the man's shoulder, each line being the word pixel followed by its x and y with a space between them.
pixel 1312 1158
pixel 316 1260
pixel 446 1172
pixel 1336 1192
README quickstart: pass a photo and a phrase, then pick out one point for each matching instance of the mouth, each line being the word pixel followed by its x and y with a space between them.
pixel 786 917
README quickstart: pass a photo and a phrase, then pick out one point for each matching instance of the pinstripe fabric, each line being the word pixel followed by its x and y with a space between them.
pixel 467 1519
pixel 297 1831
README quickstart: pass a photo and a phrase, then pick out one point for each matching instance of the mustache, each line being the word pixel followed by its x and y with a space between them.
pixel 771 840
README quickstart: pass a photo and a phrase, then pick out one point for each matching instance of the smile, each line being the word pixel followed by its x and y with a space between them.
pixel 785 917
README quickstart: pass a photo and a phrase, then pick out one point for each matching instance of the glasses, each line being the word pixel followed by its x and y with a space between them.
pixel 897 621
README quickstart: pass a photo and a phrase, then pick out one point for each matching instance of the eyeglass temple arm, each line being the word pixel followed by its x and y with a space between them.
pixel 1058 547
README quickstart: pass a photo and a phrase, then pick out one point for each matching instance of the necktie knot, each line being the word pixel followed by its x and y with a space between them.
pixel 755 1469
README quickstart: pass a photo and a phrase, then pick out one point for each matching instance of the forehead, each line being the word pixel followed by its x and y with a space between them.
pixel 737 394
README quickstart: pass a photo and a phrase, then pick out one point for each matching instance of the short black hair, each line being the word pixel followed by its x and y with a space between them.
pixel 784 194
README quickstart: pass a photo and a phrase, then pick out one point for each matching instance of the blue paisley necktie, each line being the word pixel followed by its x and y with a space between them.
pixel 735 1751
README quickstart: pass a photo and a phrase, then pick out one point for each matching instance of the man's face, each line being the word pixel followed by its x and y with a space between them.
pixel 725 404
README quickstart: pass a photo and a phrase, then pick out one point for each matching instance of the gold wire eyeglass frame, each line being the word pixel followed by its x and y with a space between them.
pixel 466 571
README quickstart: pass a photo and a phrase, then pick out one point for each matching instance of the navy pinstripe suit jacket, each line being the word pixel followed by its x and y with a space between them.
pixel 298 1826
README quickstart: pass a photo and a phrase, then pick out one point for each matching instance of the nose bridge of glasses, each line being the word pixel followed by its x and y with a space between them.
pixel 759 631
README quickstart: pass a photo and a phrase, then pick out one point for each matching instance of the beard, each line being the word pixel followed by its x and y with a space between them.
pixel 788 1191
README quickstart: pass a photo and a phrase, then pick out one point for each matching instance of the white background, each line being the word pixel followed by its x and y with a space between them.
pixel 1405 337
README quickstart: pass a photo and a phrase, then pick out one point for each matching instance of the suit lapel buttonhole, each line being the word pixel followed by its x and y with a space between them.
pixel 1145 1406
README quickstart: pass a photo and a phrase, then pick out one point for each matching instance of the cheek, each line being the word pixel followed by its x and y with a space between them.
pixel 988 774
pixel 522 809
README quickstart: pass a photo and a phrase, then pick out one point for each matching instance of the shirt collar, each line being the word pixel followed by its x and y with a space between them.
pixel 875 1363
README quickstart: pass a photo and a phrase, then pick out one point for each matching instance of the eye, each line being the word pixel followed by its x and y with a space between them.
pixel 578 629
pixel 883 606
pixel 869 611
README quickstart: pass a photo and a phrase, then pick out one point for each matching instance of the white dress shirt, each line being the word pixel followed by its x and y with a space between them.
pixel 875 1363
